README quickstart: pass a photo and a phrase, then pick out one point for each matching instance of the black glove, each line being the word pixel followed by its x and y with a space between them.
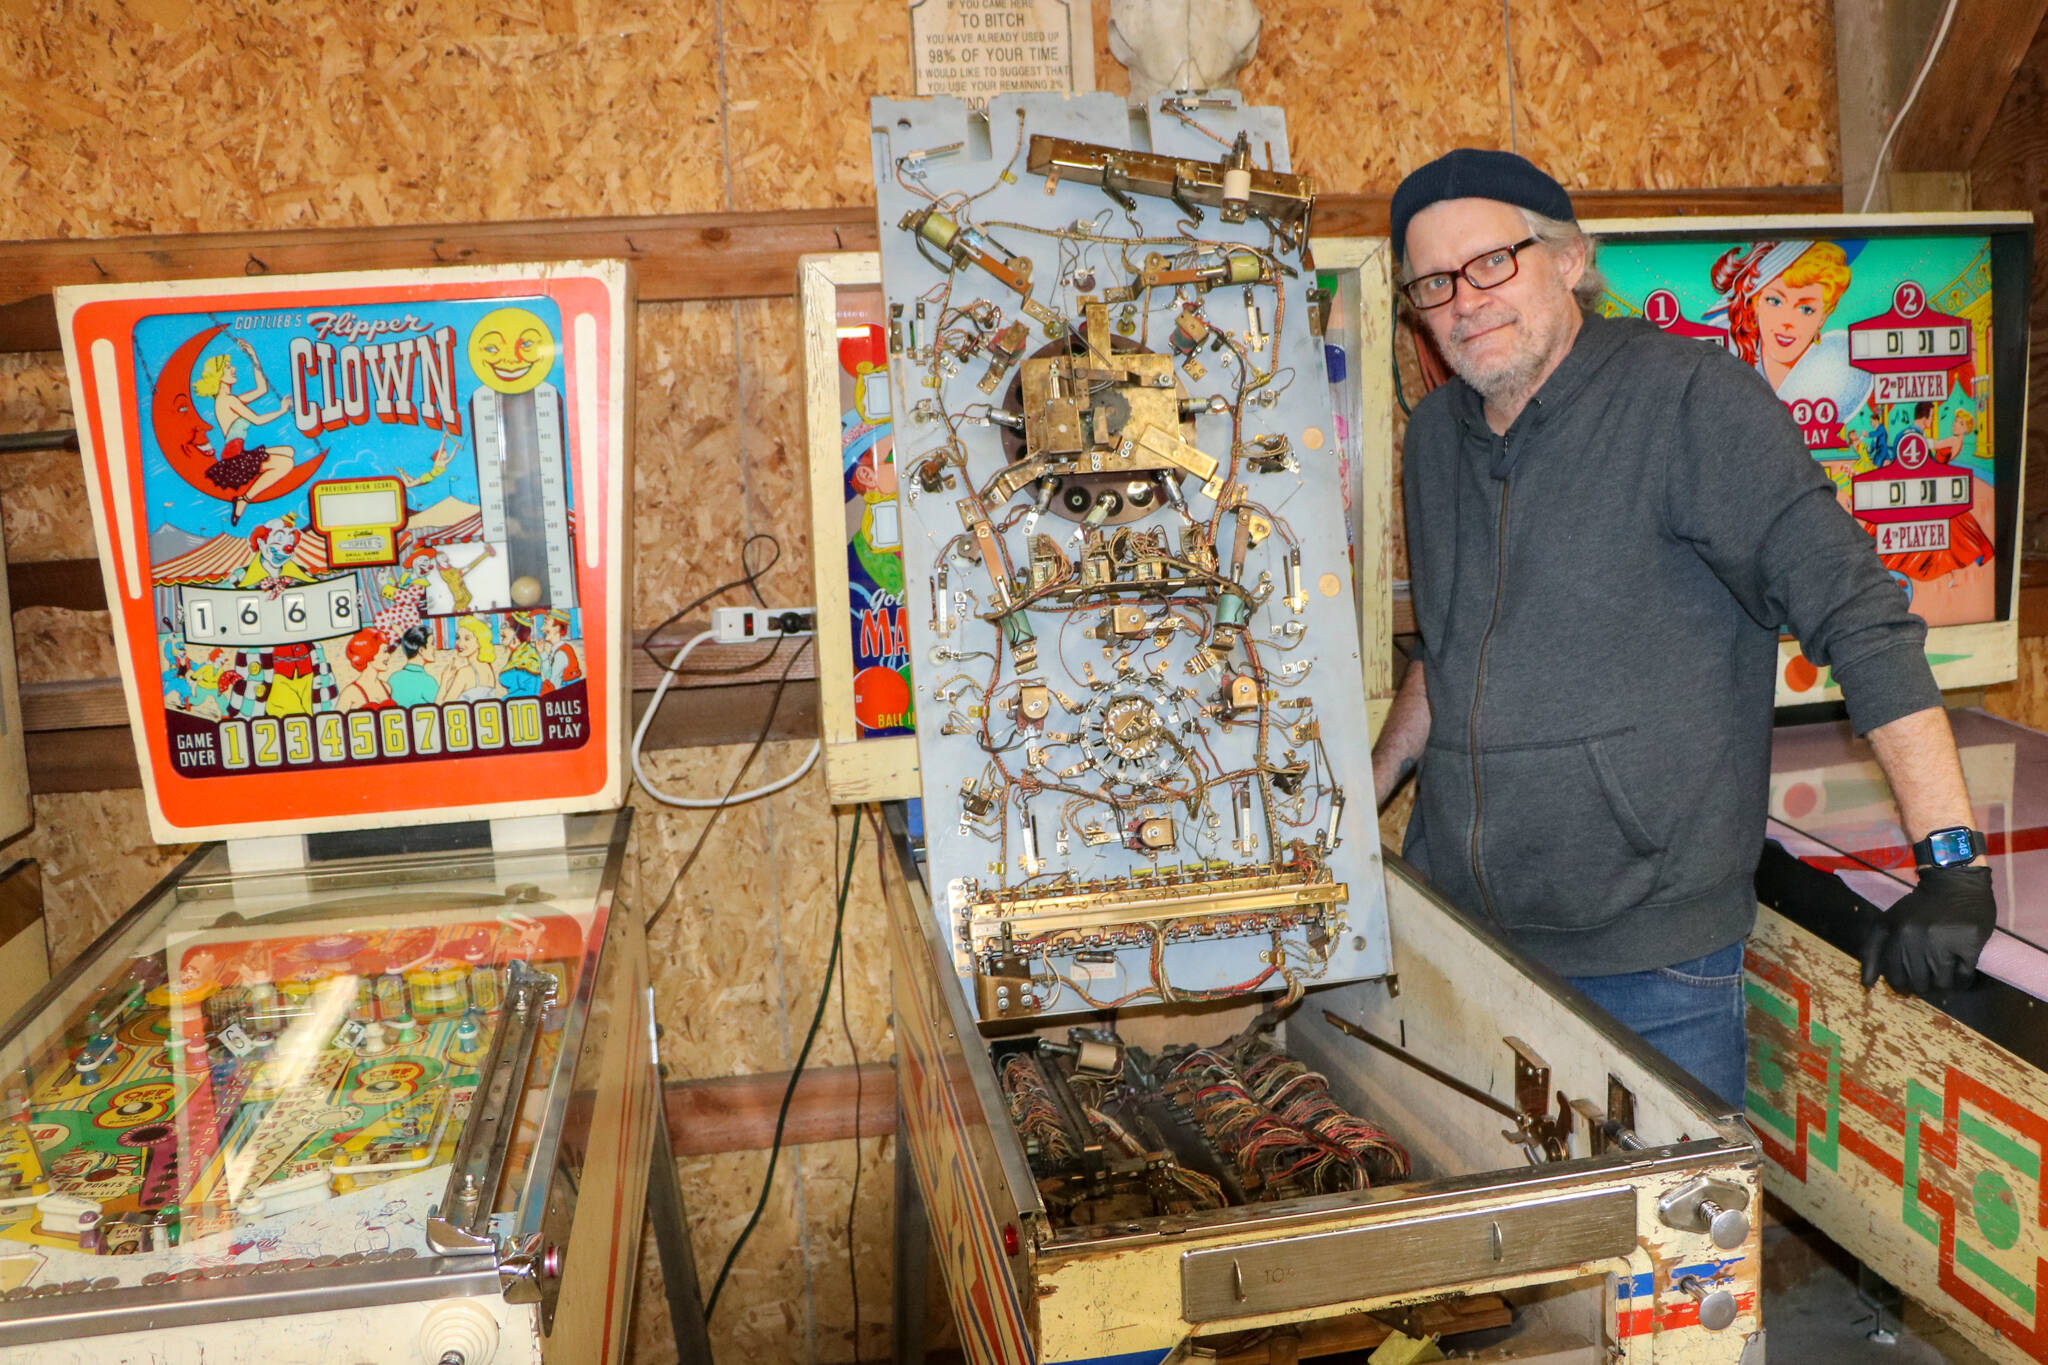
pixel 1932 935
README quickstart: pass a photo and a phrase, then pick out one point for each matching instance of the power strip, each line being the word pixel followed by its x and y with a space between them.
pixel 742 625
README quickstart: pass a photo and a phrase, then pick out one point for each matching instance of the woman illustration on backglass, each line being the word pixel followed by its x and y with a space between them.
pixel 244 469
pixel 1776 299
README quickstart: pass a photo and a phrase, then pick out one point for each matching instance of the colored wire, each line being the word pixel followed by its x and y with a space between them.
pixel 852 1199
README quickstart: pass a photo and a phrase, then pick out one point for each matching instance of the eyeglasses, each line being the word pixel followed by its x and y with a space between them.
pixel 1487 270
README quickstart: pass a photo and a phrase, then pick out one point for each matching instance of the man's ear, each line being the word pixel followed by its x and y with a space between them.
pixel 1572 263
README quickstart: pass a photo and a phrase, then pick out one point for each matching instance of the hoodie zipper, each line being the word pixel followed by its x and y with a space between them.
pixel 1479 691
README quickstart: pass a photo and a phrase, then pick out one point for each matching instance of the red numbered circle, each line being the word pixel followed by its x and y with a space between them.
pixel 1661 308
pixel 1909 299
pixel 1824 410
pixel 1802 412
pixel 1912 450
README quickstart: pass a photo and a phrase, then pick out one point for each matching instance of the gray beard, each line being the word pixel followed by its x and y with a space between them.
pixel 1500 384
pixel 1513 380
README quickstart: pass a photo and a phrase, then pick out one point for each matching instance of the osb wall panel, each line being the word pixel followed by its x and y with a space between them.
pixel 689 477
pixel 1617 95
pixel 2011 172
pixel 55 644
pixel 130 117
pixel 97 861
pixel 442 112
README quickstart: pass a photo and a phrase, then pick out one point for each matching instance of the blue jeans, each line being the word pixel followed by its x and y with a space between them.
pixel 1690 1011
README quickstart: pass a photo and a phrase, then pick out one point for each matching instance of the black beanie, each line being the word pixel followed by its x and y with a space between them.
pixel 1471 173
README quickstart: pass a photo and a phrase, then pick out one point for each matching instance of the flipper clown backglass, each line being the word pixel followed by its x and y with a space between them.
pixel 361 537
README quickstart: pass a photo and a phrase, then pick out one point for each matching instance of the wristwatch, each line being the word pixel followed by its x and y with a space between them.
pixel 1950 847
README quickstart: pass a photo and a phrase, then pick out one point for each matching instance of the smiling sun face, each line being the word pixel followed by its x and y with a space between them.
pixel 511 350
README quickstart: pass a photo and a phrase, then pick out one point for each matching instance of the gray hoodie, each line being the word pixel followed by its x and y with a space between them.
pixel 1600 690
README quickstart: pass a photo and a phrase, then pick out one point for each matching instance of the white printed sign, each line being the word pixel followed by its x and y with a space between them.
pixel 1914 386
pixel 978 48
pixel 1909 537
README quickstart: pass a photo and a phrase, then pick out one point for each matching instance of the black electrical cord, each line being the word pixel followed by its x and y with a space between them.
pixel 1394 358
pixel 750 577
pixel 795 1075
pixel 853 1199
pixel 760 741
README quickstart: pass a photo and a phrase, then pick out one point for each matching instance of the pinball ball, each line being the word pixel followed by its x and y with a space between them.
pixel 525 590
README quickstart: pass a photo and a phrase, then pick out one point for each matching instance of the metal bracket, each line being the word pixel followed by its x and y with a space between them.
pixel 1540 1136
pixel 1714 1207
pixel 462 1222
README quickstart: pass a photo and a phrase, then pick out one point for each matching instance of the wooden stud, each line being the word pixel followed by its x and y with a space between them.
pixel 1947 125
pixel 737 1113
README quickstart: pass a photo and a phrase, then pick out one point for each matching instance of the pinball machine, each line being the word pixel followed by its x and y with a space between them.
pixel 1910 1130
pixel 371 1078
pixel 1186 1066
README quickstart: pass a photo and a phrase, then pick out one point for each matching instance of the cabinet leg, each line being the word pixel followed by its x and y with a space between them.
pixel 912 1253
pixel 1885 1302
pixel 672 1240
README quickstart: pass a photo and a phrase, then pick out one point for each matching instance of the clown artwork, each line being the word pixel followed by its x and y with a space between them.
pixel 344 506
pixel 1880 347
pixel 874 538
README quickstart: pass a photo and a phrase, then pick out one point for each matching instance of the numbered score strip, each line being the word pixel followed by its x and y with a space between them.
pixel 259 617
pixel 387 735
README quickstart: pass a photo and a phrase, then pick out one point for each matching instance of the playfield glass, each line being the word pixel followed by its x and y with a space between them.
pixel 261 1073
pixel 1826 785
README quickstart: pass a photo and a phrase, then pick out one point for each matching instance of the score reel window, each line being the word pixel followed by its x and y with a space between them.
pixel 361 519
pixel 1907 491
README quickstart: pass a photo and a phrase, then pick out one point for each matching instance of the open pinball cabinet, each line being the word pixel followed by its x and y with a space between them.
pixel 1611 1217
pixel 1188 1068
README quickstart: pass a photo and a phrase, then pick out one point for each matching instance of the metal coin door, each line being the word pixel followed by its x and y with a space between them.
pixel 403 1102
pixel 1188 1067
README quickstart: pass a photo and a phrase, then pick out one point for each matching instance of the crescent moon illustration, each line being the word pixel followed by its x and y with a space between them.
pixel 187 439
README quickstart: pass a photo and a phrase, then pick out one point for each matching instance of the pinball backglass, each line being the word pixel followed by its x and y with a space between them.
pixel 361 537
pixel 1899 346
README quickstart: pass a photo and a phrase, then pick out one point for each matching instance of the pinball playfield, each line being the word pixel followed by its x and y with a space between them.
pixel 270 1075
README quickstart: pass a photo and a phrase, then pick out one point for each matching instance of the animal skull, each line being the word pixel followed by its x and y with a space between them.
pixel 1182 44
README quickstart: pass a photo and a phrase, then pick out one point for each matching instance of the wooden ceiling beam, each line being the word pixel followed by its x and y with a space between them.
pixel 1959 101
pixel 677 258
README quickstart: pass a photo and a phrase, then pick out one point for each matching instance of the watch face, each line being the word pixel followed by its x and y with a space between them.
pixel 1951 846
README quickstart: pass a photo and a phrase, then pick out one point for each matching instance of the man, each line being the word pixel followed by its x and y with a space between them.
pixel 1607 527
pixel 559 665
pixel 411 684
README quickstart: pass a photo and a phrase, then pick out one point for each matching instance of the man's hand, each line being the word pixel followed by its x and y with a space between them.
pixel 1932 935
pixel 1402 738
